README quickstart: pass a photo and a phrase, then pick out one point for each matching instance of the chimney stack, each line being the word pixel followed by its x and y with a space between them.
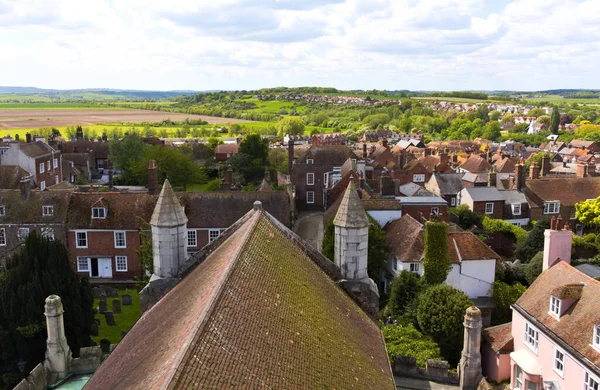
pixel 402 158
pixel 534 171
pixel 365 155
pixel 384 142
pixel 290 155
pixel 28 138
pixel 79 134
pixel 545 165
pixel 520 176
pixel 152 177
pixel 582 170
pixel 386 185
pixel 25 186
pixel 58 353
pixel 444 158
pixel 492 178
pixel 591 169
pixel 557 244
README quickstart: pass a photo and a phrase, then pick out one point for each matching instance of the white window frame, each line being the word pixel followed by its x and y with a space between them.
pixel 48 165
pixel 395 264
pixel 559 361
pixel 312 196
pixel 47 211
pixel 117 239
pixel 435 211
pixel 42 166
pixel 81 261
pixel 531 338
pixel 310 179
pixel 516 208
pixel 551 207
pixel 491 208
pixel 519 381
pixel 2 211
pixel 98 214
pixel 77 233
pixel 596 338
pixel 418 178
pixel 55 163
pixel 192 238
pixel 2 237
pixel 213 234
pixel 555 304
pixel 122 258
pixel 43 185
pixel 310 161
pixel 48 233
pixel 22 233
pixel 453 201
pixel 591 382
pixel 414 267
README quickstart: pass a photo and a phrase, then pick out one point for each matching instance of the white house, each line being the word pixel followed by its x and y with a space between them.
pixel 473 262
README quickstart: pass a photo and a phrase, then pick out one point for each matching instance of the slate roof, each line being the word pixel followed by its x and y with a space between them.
pixel 483 194
pixel 499 337
pixel 258 312
pixel 412 189
pixel 476 164
pixel 567 190
pixel 576 325
pixel 351 213
pixel 36 149
pixel 593 271
pixel 514 197
pixel 405 237
pixel 168 211
pixel 449 183
pixel 11 175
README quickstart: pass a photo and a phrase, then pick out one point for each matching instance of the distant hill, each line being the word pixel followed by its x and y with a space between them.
pixel 93 93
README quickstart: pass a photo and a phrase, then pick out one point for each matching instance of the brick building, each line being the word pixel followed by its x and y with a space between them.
pixel 38 158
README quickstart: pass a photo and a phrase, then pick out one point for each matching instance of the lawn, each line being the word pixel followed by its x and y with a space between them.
pixel 124 321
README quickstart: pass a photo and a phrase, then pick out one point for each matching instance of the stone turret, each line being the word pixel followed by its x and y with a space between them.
pixel 58 353
pixel 351 248
pixel 169 234
pixel 469 368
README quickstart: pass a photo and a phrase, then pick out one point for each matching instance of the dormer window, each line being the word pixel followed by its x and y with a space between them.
pixel 47 211
pixel 596 340
pixel 555 306
pixel 98 212
pixel 2 211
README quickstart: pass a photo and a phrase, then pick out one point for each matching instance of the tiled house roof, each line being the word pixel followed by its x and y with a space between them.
pixel 258 312
pixel 449 183
pixel 36 149
pixel 327 155
pixel 11 175
pixel 476 164
pixel 567 190
pixel 100 148
pixel 576 325
pixel 499 337
pixel 16 213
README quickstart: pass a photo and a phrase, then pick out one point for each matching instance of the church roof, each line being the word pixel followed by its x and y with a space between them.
pixel 168 211
pixel 351 212
pixel 265 186
pixel 261 310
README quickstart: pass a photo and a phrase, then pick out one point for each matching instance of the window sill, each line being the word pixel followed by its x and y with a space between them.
pixel 559 373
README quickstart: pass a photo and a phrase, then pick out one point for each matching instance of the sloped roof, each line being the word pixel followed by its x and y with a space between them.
pixel 16 213
pixel 567 190
pixel 380 204
pixel 227 148
pixel 506 165
pixel 481 194
pixel 476 164
pixel 412 189
pixel 36 149
pixel 579 143
pixel 265 186
pixel 499 337
pixel 327 155
pixel 469 247
pixel 168 211
pixel 449 183
pixel 576 325
pixel 257 312
pixel 351 212
pixel 11 175
pixel 100 149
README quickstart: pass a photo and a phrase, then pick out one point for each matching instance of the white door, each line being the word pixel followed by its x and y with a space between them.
pixel 105 267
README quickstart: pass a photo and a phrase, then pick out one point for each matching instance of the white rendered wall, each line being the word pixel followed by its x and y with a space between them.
pixel 384 216
pixel 475 278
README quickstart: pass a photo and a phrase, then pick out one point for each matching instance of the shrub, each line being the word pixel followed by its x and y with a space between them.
pixel 436 262
pixel 407 341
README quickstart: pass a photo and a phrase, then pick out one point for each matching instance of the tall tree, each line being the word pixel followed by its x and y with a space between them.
pixel 256 147
pixel 436 262
pixel 126 155
pixel 554 121
pixel 404 290
pixel 588 211
pixel 533 243
pixel 290 125
pixel 41 268
pixel 482 113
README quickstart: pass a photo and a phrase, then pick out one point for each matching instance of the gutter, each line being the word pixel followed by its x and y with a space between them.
pixel 555 338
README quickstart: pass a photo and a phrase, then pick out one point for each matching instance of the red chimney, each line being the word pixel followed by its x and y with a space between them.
pixel 152 177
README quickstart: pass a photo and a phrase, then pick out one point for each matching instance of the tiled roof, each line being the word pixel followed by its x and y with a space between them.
pixel 476 164
pixel 432 163
pixel 499 337
pixel 413 189
pixel 227 148
pixel 351 212
pixel 100 148
pixel 579 143
pixel 36 149
pixel 576 325
pixel 381 204
pixel 505 165
pixel 470 247
pixel 11 175
pixel 567 190
pixel 77 158
pixel 257 312
pixel 265 186
pixel 328 155
pixel 32 213
pixel 449 183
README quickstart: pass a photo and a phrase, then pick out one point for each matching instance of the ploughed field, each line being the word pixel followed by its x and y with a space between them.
pixel 19 119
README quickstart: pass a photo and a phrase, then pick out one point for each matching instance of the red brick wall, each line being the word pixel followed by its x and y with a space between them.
pixel 479 207
pixel 49 176
pixel 102 244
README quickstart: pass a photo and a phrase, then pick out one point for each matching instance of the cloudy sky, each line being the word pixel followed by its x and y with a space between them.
pixel 348 44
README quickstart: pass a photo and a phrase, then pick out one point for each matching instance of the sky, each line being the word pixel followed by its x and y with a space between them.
pixel 348 44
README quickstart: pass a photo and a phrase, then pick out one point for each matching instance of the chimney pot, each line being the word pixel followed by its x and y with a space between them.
pixel 257 205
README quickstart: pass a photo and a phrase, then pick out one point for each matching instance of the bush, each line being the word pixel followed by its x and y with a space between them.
pixel 436 262
pixel 499 226
pixel 466 217
pixel 440 314
pixel 404 289
pixel 533 243
pixel 505 295
pixel 407 341
pixel 534 268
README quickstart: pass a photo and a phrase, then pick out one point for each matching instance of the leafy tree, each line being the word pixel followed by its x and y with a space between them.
pixel 536 112
pixel 440 314
pixel 278 159
pixel 290 125
pixel 175 164
pixel 145 253
pixel 534 268
pixel 328 246
pixel 436 262
pixel 213 142
pixel 519 128
pixel 533 243
pixel 126 155
pixel 407 341
pixel 492 131
pixel 555 121
pixel 588 211
pixel 376 120
pixel 256 147
pixel 505 295
pixel 404 289
pixel 494 115
pixel 466 218
pixel 482 113
pixel 39 269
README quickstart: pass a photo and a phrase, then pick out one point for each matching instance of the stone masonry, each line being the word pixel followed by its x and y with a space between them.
pixel 58 353
pixel 469 368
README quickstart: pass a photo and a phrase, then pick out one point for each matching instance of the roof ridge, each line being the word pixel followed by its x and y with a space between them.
pixel 202 320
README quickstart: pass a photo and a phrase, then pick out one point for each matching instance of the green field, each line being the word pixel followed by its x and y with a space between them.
pixel 124 321
pixel 455 99
pixel 558 99
pixel 57 106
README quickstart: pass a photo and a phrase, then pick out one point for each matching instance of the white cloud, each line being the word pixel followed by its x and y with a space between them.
pixel 236 44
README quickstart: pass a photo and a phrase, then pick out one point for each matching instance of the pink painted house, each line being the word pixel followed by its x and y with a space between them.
pixel 555 326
